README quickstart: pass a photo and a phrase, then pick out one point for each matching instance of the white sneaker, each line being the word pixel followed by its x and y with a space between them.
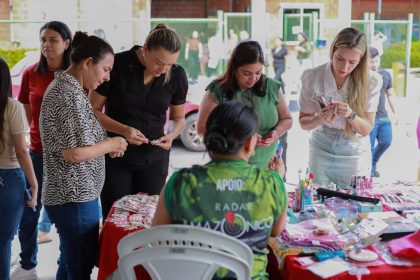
pixel 18 273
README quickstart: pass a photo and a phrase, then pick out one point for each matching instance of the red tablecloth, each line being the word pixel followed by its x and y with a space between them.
pixel 292 270
pixel 108 255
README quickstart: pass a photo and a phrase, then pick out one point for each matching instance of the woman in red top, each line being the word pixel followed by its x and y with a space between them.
pixel 55 39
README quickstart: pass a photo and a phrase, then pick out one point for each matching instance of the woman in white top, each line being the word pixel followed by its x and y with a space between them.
pixel 15 164
pixel 339 146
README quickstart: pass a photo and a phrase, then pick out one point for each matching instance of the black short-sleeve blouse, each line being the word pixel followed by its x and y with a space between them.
pixel 131 102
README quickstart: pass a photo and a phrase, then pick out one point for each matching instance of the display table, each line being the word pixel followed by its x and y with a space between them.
pixel 108 255
pixel 111 234
pixel 293 270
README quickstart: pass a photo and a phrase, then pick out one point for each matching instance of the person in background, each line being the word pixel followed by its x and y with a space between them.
pixel 204 59
pixel 145 83
pixel 193 54
pixel 378 42
pixel 230 138
pixel 304 49
pixel 55 40
pixel 243 81
pixel 74 145
pixel 382 130
pixel 243 36
pixel 338 102
pixel 279 53
pixel 15 165
pixel 231 43
pixel 216 53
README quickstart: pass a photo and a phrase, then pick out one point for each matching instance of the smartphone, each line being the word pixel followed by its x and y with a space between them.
pixel 279 151
pixel 321 101
pixel 28 197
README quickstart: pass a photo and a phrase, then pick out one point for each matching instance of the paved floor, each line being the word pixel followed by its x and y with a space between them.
pixel 399 162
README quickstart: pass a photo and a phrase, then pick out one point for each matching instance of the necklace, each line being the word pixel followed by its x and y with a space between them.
pixel 247 98
pixel 339 87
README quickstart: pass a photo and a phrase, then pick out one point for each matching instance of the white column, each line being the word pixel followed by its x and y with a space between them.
pixel 259 22
pixel 344 13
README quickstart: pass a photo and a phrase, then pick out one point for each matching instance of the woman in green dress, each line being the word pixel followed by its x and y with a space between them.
pixel 243 81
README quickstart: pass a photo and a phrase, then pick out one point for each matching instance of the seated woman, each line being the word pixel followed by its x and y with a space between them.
pixel 228 191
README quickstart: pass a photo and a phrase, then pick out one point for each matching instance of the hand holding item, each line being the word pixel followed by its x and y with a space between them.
pixel 118 145
pixel 165 142
pixel 31 198
pixel 342 109
pixel 327 114
pixel 134 136
pixel 267 140
pixel 277 165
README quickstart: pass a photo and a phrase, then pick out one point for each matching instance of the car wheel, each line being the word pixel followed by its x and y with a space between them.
pixel 189 137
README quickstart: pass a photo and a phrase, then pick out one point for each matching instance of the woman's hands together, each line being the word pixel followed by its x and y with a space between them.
pixel 342 109
pixel 327 114
pixel 165 142
pixel 134 136
pixel 117 146
pixel 268 139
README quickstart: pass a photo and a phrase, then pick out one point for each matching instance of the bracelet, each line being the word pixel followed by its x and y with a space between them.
pixel 352 116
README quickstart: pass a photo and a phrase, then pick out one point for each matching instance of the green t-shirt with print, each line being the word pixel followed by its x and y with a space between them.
pixel 266 109
pixel 232 197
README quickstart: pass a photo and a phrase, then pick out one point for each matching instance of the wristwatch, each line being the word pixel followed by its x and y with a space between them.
pixel 352 116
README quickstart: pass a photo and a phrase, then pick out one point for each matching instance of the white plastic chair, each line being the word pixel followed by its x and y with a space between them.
pixel 174 262
pixel 184 237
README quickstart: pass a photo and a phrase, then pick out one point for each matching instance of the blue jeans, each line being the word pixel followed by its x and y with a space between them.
pixel 45 224
pixel 12 202
pixel 78 227
pixel 382 132
pixel 28 228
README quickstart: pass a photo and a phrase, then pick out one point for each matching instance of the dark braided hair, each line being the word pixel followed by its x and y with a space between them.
pixel 228 127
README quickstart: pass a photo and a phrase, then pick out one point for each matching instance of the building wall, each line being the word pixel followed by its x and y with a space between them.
pixel 196 8
pixel 4 15
pixel 330 20
pixel 109 21
pixel 391 9
pixel 178 9
pixel 330 6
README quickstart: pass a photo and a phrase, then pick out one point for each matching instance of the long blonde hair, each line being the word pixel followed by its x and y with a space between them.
pixel 358 83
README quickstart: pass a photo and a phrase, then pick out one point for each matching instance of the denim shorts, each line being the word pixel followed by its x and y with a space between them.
pixel 333 157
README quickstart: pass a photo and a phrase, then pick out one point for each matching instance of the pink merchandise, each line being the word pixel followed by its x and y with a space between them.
pixel 407 246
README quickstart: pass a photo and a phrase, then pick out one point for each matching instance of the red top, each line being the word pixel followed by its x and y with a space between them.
pixel 32 92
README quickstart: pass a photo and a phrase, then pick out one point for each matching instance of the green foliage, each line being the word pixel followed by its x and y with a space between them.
pixel 13 56
pixel 396 52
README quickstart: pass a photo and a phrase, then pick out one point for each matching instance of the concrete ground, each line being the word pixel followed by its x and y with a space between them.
pixel 400 162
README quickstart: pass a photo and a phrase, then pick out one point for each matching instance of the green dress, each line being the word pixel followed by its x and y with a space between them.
pixel 266 108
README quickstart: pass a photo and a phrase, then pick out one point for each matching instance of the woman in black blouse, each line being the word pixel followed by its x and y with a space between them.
pixel 145 82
